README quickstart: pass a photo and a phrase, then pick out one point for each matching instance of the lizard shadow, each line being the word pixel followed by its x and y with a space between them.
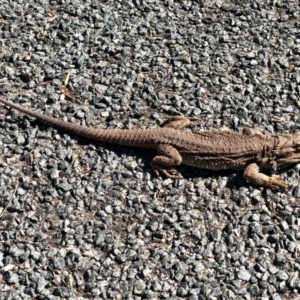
pixel 235 180
pixel 142 155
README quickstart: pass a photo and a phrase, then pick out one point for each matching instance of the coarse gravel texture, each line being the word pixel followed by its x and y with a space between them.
pixel 89 220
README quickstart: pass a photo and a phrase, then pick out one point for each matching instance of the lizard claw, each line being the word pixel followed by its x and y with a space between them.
pixel 171 173
pixel 167 171
pixel 277 182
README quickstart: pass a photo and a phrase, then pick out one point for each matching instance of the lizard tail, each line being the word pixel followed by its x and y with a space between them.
pixel 104 135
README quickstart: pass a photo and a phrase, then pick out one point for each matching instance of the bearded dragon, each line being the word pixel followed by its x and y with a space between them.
pixel 250 151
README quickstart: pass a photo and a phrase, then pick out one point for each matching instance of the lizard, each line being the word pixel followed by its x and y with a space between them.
pixel 249 151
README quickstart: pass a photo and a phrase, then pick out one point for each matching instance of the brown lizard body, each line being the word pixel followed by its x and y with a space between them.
pixel 250 151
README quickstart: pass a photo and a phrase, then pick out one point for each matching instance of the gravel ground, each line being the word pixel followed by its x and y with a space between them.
pixel 87 220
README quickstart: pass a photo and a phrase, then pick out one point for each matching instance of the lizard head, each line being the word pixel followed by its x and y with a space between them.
pixel 287 151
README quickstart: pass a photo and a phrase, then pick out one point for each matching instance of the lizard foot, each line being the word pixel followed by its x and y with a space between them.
pixel 276 182
pixel 167 171
pixel 176 118
pixel 252 174
pixel 179 122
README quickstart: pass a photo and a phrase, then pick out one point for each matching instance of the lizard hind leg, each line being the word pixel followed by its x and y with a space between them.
pixel 252 174
pixel 179 122
pixel 168 157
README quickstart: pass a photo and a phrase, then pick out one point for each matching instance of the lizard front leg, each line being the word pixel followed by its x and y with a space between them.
pixel 252 174
pixel 179 122
pixel 168 158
